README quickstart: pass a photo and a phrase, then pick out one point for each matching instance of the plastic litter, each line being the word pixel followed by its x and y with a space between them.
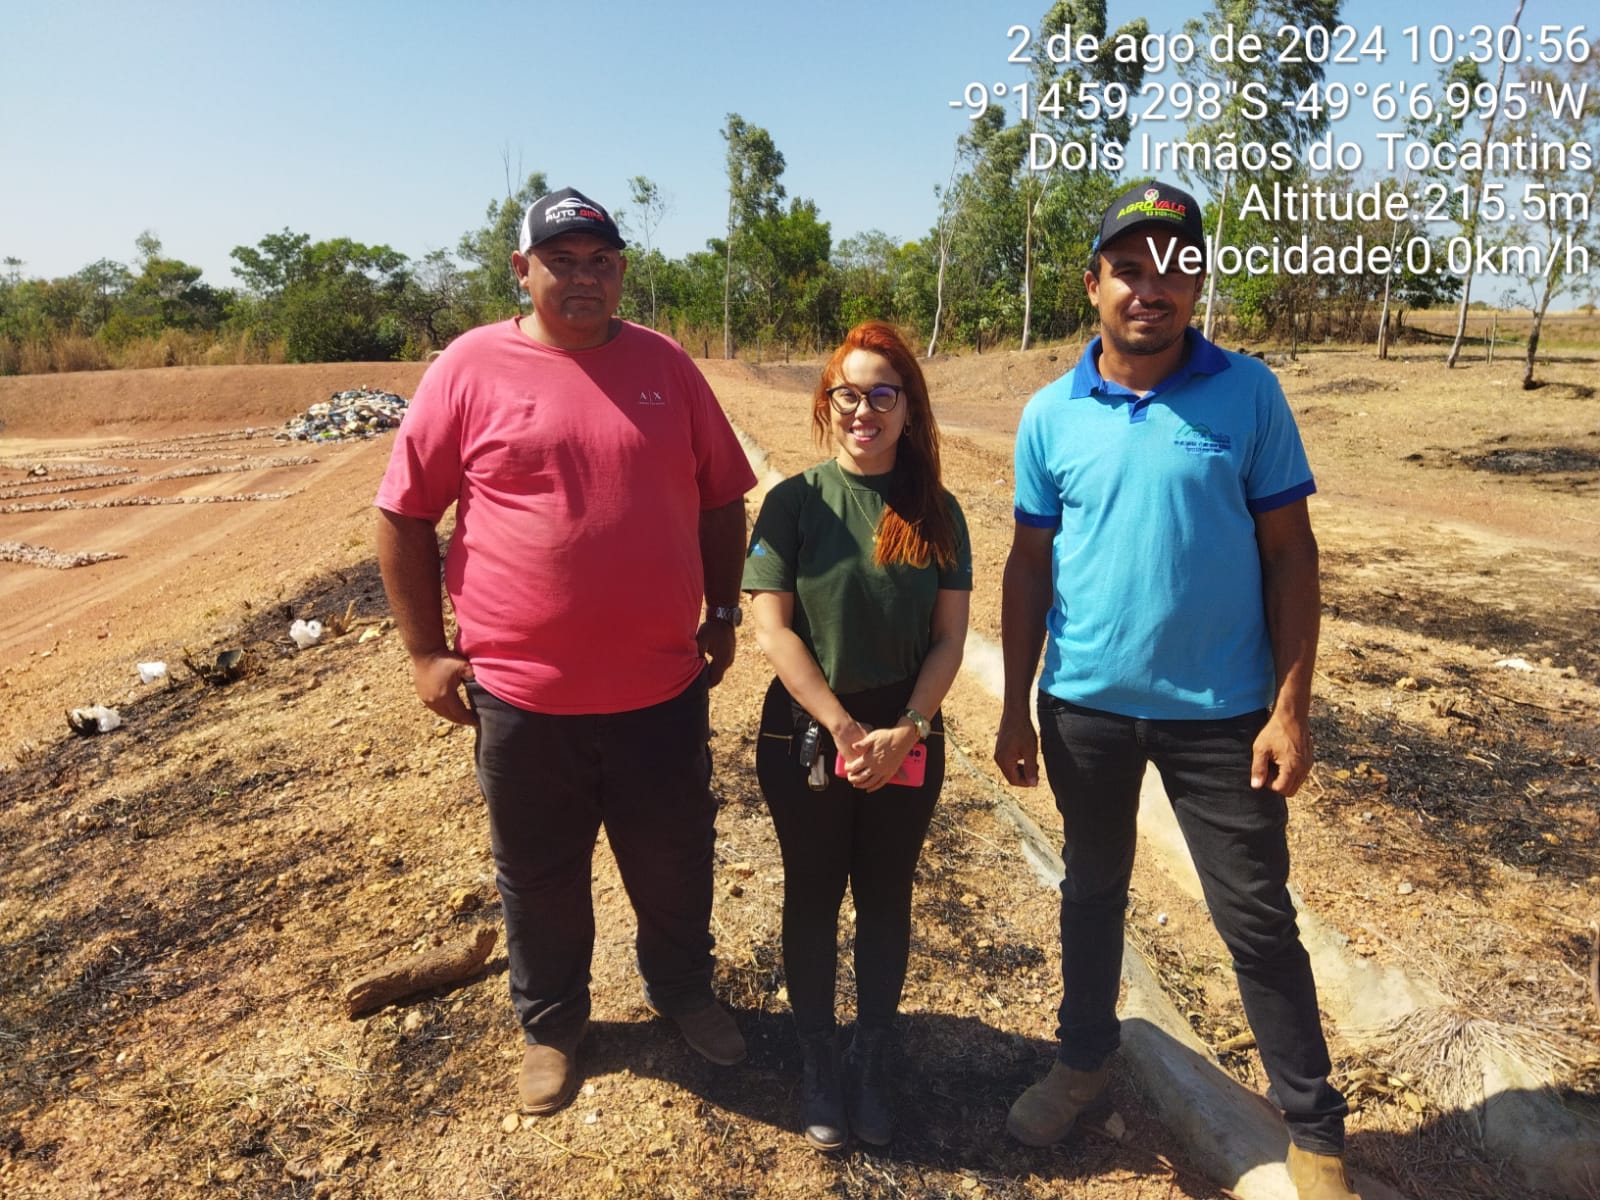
pixel 306 633
pixel 96 718
pixel 1515 664
pixel 354 413
pixel 152 672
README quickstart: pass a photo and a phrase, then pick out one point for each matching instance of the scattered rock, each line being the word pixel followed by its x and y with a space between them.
pixel 43 556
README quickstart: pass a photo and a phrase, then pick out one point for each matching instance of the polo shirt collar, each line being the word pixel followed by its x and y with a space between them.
pixel 1203 358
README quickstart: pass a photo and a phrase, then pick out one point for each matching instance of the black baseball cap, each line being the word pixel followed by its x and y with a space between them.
pixel 1155 204
pixel 566 211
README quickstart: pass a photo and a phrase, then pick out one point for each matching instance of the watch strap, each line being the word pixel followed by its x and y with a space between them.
pixel 924 726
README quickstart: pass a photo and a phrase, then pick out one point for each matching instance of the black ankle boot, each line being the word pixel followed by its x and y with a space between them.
pixel 822 1091
pixel 867 1073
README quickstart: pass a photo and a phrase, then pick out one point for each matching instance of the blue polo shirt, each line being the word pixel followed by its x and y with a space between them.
pixel 1157 609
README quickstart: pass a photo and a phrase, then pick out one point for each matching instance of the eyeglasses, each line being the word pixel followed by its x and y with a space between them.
pixel 880 399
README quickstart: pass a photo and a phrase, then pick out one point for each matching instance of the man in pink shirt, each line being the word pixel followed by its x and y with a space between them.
pixel 599 495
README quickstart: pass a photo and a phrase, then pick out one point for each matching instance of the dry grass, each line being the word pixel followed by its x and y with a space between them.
pixel 1575 329
pixel 1445 1049
pixel 172 348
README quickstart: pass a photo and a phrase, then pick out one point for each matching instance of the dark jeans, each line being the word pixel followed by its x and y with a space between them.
pixel 843 834
pixel 1235 833
pixel 550 783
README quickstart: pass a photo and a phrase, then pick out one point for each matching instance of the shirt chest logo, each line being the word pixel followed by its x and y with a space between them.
pixel 652 400
pixel 1196 438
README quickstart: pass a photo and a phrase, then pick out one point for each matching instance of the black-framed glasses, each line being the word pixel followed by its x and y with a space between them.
pixel 880 399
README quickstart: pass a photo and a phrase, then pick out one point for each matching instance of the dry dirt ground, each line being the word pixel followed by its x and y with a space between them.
pixel 183 899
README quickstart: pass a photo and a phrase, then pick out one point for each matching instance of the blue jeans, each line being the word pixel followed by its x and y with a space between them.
pixel 1096 761
pixel 550 782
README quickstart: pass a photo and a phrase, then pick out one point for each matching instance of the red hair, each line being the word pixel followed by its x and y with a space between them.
pixel 916 526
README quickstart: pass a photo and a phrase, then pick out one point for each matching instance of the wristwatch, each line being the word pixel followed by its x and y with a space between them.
pixel 731 613
pixel 924 728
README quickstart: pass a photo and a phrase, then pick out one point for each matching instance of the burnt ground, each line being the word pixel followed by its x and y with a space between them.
pixel 183 899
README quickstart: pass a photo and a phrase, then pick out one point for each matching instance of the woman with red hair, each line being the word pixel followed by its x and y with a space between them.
pixel 859 571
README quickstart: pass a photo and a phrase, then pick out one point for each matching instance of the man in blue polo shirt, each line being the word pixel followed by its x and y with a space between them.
pixel 1163 557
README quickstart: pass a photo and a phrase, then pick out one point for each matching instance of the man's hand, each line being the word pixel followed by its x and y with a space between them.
pixel 438 679
pixel 717 641
pixel 1016 750
pixel 1281 757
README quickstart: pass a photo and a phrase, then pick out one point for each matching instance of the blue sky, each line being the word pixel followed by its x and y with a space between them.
pixel 214 124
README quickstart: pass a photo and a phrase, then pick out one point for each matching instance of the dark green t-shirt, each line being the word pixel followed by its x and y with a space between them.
pixel 866 625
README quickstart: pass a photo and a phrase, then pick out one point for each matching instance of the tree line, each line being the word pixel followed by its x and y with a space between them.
pixel 1002 265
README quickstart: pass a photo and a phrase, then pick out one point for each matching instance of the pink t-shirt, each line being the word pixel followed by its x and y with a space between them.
pixel 578 478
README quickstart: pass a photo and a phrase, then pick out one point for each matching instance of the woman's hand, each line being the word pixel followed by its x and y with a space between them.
pixel 871 762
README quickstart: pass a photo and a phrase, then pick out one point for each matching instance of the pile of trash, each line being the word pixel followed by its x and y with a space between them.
pixel 356 413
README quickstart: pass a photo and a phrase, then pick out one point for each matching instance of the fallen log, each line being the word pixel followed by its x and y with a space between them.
pixel 444 964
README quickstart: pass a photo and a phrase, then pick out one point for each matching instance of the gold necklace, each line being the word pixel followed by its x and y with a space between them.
pixel 856 500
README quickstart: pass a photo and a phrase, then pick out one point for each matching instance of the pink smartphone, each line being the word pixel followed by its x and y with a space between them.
pixel 912 768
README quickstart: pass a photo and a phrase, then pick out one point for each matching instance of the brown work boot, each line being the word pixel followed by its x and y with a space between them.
pixel 1044 1114
pixel 1318 1176
pixel 549 1074
pixel 711 1033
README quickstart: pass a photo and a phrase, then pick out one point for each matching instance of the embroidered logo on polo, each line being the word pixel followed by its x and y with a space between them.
pixel 653 399
pixel 1196 438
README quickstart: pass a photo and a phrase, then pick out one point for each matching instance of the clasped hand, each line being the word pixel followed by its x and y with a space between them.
pixel 872 756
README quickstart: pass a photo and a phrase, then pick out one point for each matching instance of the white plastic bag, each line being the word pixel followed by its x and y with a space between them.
pixel 306 633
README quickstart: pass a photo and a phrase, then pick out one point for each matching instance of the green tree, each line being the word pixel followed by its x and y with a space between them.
pixel 167 293
pixel 106 282
pixel 651 207
pixel 754 193
pixel 1247 88
pixel 1059 205
pixel 492 287
pixel 1469 227
pixel 1555 199
pixel 273 263
pixel 867 267
pixel 331 301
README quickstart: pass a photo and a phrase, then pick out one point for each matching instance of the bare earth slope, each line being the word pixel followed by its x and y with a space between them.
pixel 182 900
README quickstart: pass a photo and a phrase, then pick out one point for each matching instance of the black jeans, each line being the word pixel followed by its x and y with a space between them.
pixel 550 783
pixel 1235 833
pixel 843 834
